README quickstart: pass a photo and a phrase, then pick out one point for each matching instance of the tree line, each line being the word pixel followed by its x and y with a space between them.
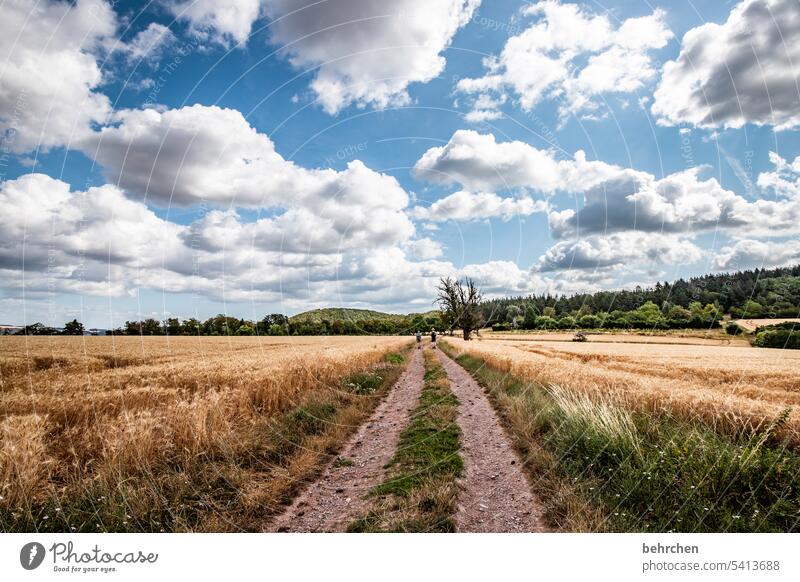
pixel 697 302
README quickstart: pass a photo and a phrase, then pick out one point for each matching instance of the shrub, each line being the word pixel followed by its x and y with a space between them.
pixel 783 336
pixel 566 322
pixel 733 329
pixel 589 321
pixel 546 322
pixel 501 327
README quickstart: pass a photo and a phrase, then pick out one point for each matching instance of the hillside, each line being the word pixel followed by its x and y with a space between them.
pixel 344 314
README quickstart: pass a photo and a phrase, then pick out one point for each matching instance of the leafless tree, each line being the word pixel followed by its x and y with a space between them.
pixel 460 301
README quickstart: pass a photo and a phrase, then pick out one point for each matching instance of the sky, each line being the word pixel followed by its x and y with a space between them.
pixel 179 158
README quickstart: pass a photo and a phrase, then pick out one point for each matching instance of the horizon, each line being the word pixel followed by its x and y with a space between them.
pixel 167 162
pixel 649 287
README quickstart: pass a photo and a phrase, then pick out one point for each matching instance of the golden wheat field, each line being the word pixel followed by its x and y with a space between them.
pixel 730 387
pixel 199 433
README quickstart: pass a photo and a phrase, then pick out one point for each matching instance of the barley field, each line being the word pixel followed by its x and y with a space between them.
pixel 727 385
pixel 626 437
pixel 174 434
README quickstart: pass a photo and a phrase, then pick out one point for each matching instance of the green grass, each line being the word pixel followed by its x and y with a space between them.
pixel 419 494
pixel 600 467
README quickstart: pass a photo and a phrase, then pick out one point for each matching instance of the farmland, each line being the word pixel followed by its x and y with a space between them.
pixel 175 434
pixel 622 436
pixel 677 431
pixel 730 386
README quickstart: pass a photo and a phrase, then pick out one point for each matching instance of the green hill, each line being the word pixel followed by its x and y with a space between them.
pixel 344 314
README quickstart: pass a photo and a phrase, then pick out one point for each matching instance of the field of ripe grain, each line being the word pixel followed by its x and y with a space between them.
pixel 185 433
pixel 752 324
pixel 728 387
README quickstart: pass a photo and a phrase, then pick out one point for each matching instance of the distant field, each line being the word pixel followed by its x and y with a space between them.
pixel 682 337
pixel 752 324
pixel 186 433
pixel 727 386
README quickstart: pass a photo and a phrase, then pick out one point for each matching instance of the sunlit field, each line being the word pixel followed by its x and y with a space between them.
pixel 649 437
pixel 728 385
pixel 184 433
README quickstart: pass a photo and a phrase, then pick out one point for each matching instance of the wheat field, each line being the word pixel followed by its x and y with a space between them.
pixel 729 387
pixel 185 433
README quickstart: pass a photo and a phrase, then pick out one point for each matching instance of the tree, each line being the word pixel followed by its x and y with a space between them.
pixel 460 302
pixel 245 329
pixel 73 327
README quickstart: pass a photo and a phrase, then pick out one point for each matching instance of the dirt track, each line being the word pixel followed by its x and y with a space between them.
pixel 339 495
pixel 494 494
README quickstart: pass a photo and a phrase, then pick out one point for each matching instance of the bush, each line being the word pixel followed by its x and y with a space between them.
pixel 589 321
pixel 566 322
pixel 783 336
pixel 546 322
pixel 733 329
pixel 501 327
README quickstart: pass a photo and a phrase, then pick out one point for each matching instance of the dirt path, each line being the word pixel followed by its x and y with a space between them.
pixel 338 497
pixel 494 494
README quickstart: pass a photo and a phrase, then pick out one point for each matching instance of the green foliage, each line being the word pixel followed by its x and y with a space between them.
pixel 733 329
pixel 566 322
pixel 590 322
pixel 245 329
pixel 546 322
pixel 394 358
pixel 783 336
pixel 73 327
pixel 698 302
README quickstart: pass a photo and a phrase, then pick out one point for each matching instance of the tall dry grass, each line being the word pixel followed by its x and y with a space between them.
pixel 143 434
pixel 728 388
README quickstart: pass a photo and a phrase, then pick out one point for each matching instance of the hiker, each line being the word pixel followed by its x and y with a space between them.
pixel 419 339
pixel 433 338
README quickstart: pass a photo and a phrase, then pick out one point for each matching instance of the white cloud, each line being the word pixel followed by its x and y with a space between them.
pixel 572 55
pixel 749 253
pixel 425 248
pixel 202 154
pixel 467 206
pixel 222 21
pixel 479 163
pixel 49 75
pixel 619 249
pixel 745 70
pixel 148 44
pixel 367 52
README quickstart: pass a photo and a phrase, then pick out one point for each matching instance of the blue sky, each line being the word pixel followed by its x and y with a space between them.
pixel 184 158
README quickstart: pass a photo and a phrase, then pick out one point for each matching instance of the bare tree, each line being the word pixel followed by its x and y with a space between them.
pixel 460 301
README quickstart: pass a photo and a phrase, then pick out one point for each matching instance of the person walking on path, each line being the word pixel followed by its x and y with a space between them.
pixel 433 338
pixel 419 339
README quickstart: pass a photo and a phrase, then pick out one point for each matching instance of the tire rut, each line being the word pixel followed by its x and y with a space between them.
pixel 495 495
pixel 340 494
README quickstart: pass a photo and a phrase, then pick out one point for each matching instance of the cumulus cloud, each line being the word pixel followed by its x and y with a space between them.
pixel 366 53
pixel 569 54
pixel 50 76
pixel 682 202
pixel 467 206
pixel 750 253
pixel 148 44
pixel 624 248
pixel 223 22
pixel 480 163
pixel 203 154
pixel 746 70
pixel 425 248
